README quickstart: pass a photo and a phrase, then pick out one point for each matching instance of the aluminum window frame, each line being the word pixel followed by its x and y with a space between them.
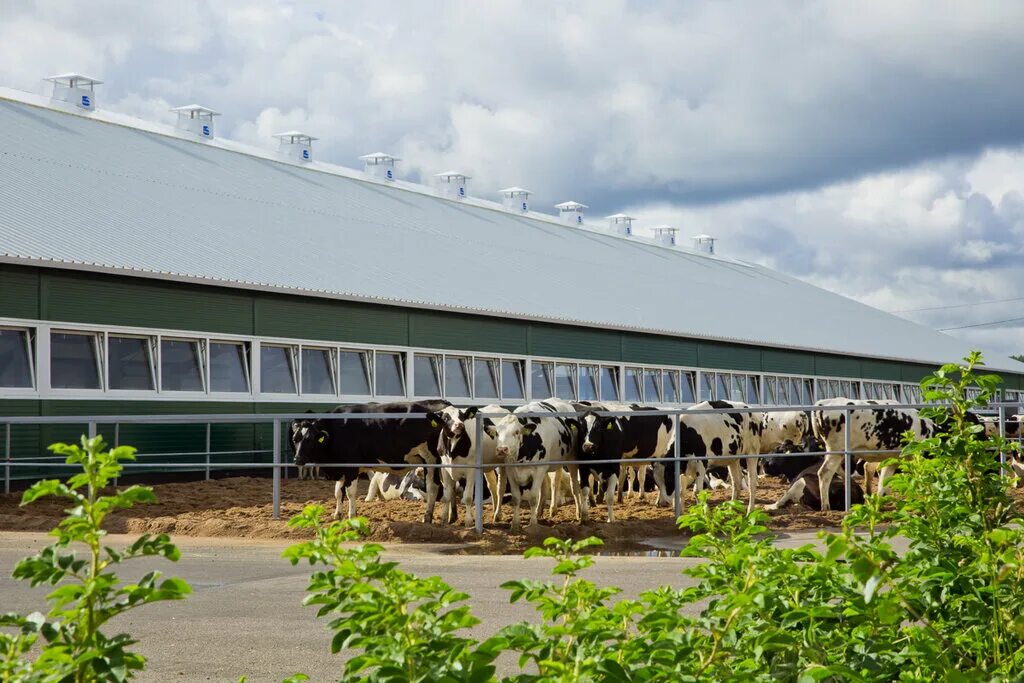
pixel 29 337
pixel 247 368
pixel 332 368
pixel 202 358
pixel 151 349
pixel 99 350
pixel 402 373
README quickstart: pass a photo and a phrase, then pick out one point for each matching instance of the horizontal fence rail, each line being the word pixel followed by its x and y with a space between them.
pixel 276 422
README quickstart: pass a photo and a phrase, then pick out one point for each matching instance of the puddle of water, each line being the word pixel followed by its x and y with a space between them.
pixel 652 552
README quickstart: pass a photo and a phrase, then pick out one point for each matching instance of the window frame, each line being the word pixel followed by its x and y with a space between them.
pixel 247 367
pixel 436 361
pixel 151 343
pixel 402 369
pixel 29 338
pixel 99 348
pixel 332 368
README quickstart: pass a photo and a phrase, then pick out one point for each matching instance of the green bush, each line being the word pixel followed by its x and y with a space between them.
pixel 88 592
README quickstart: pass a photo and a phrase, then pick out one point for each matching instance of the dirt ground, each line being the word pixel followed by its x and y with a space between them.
pixel 241 507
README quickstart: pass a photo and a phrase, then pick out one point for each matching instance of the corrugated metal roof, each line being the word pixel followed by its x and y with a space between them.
pixel 103 191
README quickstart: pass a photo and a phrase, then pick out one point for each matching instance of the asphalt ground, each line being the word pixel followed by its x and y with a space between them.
pixel 245 616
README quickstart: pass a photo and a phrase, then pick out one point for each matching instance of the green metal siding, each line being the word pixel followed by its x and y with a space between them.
pixel 638 348
pixel 836 366
pixel 881 369
pixel 461 332
pixel 341 321
pixel 574 342
pixel 729 356
pixel 915 373
pixel 19 292
pixel 787 362
pixel 87 298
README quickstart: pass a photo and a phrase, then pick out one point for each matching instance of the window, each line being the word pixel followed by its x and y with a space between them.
pixel 317 371
pixel 609 383
pixel 130 363
pixel 456 377
pixel 737 387
pixel 277 369
pixel 512 379
pixel 356 377
pixel 75 360
pixel 689 395
pixel 16 359
pixel 229 366
pixel 426 375
pixel 181 365
pixel 565 381
pixel 390 373
pixel 806 391
pixel 634 386
pixel 543 379
pixel 588 383
pixel 753 389
pixel 670 386
pixel 723 387
pixel 485 377
pixel 652 386
pixel 707 386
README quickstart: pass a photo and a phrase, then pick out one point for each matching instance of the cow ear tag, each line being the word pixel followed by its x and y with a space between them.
pixel 321 439
pixel 572 426
pixel 609 426
pixel 528 429
pixel 433 423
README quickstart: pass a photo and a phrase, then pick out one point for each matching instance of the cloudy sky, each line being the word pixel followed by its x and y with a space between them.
pixel 873 148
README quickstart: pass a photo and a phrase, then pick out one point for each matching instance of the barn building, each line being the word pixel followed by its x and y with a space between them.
pixel 150 269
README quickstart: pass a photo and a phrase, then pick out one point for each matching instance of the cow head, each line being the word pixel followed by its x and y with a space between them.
pixel 789 460
pixel 598 430
pixel 508 434
pixel 451 420
pixel 310 439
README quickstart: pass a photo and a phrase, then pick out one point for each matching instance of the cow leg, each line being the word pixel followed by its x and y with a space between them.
pixel 496 485
pixel 735 475
pixel 469 498
pixel 870 468
pixel 579 493
pixel 554 478
pixel 659 479
pixel 884 474
pixel 517 494
pixel 794 492
pixel 641 477
pixel 826 472
pixel 624 475
pixel 610 492
pixel 350 491
pixel 339 491
pixel 751 483
pixel 537 490
pixel 432 484
pixel 373 492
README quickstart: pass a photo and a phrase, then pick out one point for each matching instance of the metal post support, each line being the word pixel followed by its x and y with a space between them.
pixel 207 451
pixel 7 458
pixel 117 441
pixel 277 470
pixel 92 430
pixel 847 464
pixel 678 497
pixel 478 478
pixel 1002 435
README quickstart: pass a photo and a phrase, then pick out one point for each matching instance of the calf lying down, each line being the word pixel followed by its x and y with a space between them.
pixel 389 486
pixel 802 473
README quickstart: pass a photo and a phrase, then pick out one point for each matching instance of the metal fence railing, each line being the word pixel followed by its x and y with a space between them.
pixel 674 459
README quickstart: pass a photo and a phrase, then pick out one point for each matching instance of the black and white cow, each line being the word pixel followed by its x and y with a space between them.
pixel 537 441
pixel 879 427
pixel 338 443
pixel 458 449
pixel 801 471
pixel 601 439
pixel 389 486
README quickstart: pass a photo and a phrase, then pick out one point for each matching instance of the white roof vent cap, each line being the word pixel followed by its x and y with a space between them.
pixel 379 165
pixel 515 199
pixel 571 212
pixel 196 119
pixel 621 223
pixel 666 235
pixel 296 146
pixel 452 184
pixel 75 89
pixel 704 243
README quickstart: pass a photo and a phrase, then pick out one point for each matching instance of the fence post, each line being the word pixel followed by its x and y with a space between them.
pixel 117 441
pixel 7 458
pixel 676 467
pixel 478 478
pixel 207 451
pixel 1002 435
pixel 277 470
pixel 92 430
pixel 847 464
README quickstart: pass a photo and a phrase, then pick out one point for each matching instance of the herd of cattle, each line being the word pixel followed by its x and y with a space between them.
pixel 595 442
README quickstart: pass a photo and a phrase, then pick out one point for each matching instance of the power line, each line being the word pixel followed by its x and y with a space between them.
pixel 994 322
pixel 942 308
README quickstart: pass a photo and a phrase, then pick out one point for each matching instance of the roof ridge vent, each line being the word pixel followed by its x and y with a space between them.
pixel 196 119
pixel 452 184
pixel 571 212
pixel 75 89
pixel 296 145
pixel 665 235
pixel 515 199
pixel 704 243
pixel 621 223
pixel 379 165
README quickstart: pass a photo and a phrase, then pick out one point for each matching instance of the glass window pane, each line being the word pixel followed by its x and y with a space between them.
pixel 588 383
pixel 609 383
pixel 688 395
pixel 15 359
pixel 543 380
pixel 181 365
pixel 652 386
pixel 485 374
pixel 806 391
pixel 456 377
pixel 822 388
pixel 277 370
pixel 634 389
pixel 355 373
pixel 390 373
pixel 707 386
pixel 670 386
pixel 317 377
pixel 753 390
pixel 565 381
pixel 229 367
pixel 769 389
pixel 897 392
pixel 723 387
pixel 129 363
pixel 512 379
pixel 74 361
pixel 426 375
pixel 738 387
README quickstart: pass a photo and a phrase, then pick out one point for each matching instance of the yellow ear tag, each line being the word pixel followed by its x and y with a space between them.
pixel 433 423
pixel 572 426
pixel 609 426
pixel 321 439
